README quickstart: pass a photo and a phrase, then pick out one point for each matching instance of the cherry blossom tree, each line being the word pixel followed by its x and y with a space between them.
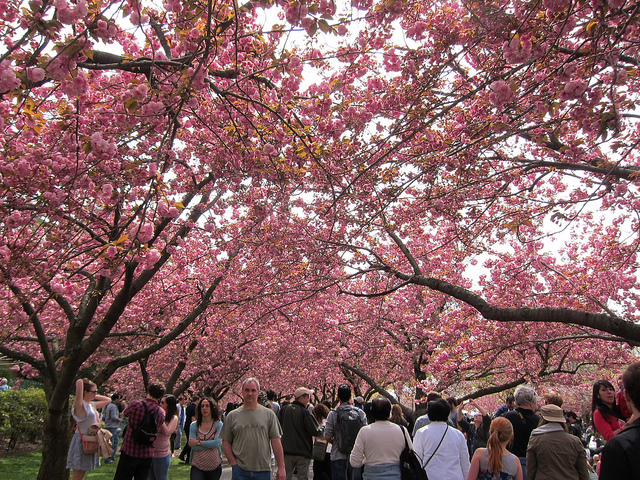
pixel 196 190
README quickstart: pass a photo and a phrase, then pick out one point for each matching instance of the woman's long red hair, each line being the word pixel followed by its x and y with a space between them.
pixel 501 433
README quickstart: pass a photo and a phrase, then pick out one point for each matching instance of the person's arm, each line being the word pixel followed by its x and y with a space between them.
pixel 532 461
pixel 278 453
pixel 474 468
pixel 460 407
pixel 228 452
pixel 328 427
pixel 193 434
pixel 604 428
pixel 312 426
pixel 357 454
pixel 100 401
pixel 482 411
pixel 168 428
pixel 418 447
pixel 519 475
pixel 213 443
pixel 464 458
pixel 581 462
pixel 78 406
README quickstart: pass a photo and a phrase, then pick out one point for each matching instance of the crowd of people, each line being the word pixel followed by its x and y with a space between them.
pixel 527 438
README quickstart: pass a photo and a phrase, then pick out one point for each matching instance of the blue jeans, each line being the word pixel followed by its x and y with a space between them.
pixel 197 474
pixel 342 470
pixel 239 474
pixel 115 439
pixel 523 462
pixel 160 468
pixel 385 471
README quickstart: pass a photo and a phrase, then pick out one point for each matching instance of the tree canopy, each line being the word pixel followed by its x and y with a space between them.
pixel 399 192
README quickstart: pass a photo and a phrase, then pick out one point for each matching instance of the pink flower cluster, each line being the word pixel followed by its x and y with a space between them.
pixel 296 12
pixel 77 86
pixel 573 90
pixel 164 210
pixel 8 79
pixel 69 14
pixel 501 93
pixel 556 6
pixel 518 50
pixel 417 30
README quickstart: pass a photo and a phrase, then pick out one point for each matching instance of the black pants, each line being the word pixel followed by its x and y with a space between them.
pixel 186 451
pixel 132 468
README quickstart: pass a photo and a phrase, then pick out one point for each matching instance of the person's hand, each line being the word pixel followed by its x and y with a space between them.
pixel 282 474
pixel 193 442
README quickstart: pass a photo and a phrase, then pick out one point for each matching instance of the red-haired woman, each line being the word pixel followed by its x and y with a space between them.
pixel 496 461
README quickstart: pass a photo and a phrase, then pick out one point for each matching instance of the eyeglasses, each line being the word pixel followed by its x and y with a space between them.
pixel 92 391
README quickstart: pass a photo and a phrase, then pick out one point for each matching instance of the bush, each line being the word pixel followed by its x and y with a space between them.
pixel 22 415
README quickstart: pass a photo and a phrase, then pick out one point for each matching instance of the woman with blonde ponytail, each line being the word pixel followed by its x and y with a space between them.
pixel 495 462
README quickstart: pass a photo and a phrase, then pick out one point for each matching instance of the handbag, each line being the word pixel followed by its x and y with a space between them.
pixel 90 444
pixel 411 467
pixel 319 449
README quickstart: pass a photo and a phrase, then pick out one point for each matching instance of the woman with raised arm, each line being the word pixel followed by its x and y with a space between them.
pixel 84 412
pixel 204 440
pixel 496 461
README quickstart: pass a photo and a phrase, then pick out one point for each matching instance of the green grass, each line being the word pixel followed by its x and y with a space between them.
pixel 25 466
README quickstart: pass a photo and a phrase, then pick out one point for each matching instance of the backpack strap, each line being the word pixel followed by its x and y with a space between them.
pixel 434 452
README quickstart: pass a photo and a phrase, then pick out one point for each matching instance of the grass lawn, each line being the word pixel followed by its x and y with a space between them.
pixel 24 466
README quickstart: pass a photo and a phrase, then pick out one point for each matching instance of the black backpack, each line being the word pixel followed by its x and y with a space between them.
pixel 348 425
pixel 147 431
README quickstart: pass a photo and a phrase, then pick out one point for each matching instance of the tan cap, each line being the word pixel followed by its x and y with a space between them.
pixel 302 391
pixel 552 413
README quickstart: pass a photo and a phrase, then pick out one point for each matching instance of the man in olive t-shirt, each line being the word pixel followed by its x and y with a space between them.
pixel 248 435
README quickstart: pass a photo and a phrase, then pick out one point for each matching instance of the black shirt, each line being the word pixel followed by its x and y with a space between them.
pixel 524 421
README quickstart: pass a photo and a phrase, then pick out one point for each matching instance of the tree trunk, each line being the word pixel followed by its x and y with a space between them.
pixel 55 444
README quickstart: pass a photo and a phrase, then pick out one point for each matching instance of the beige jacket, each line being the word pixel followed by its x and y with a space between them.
pixel 553 454
pixel 104 442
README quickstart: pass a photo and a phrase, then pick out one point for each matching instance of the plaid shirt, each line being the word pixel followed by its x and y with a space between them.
pixel 135 412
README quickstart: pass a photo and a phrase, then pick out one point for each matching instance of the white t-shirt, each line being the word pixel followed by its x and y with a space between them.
pixel 451 460
pixel 380 443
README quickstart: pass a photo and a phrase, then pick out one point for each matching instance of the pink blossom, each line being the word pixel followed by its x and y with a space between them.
pixel 616 3
pixel 573 89
pixel 99 144
pixel 111 252
pixel 269 149
pixel 501 93
pixel 8 79
pixel 296 12
pixel 153 108
pixel 417 30
pixel 518 50
pixel 35 74
pixel 556 6
pixel 77 86
pixel 146 232
pixel 60 67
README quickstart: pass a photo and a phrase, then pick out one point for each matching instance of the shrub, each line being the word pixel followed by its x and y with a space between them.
pixel 22 415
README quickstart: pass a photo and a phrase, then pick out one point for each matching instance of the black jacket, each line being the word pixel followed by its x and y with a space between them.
pixel 299 426
pixel 524 421
pixel 621 455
